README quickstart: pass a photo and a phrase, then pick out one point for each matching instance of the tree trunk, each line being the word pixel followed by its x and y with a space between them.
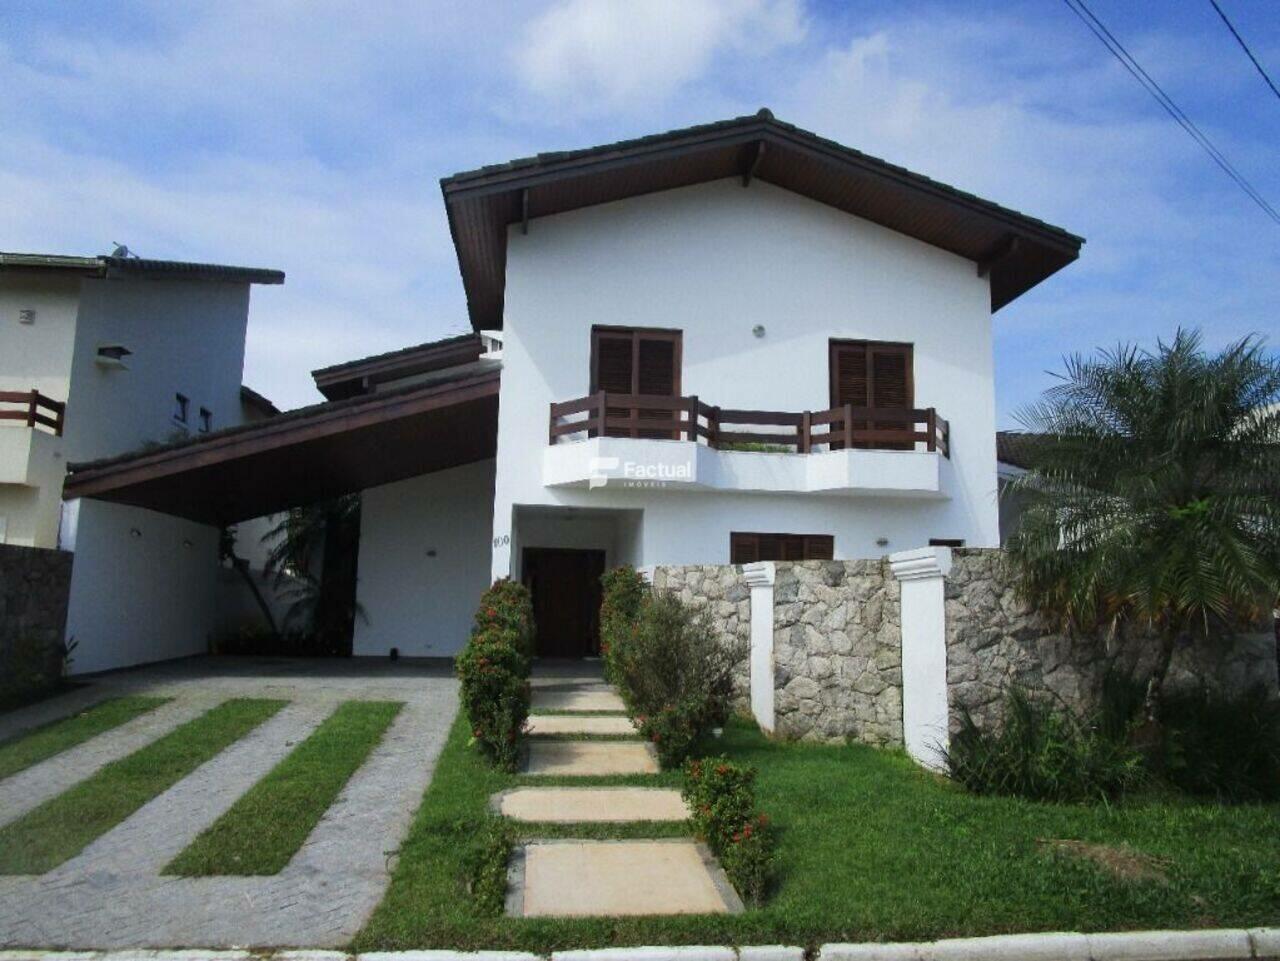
pixel 1155 686
pixel 242 566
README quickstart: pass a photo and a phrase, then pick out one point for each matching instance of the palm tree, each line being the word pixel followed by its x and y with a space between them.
pixel 1153 500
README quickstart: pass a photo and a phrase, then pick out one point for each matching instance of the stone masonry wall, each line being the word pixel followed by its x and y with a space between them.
pixel 993 639
pixel 721 589
pixel 837 639
pixel 34 585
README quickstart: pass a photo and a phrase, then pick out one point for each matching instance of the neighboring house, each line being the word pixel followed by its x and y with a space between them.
pixel 108 355
pixel 730 343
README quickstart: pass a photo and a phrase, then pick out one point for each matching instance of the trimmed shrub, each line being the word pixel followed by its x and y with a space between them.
pixel 625 592
pixel 494 675
pixel 1227 748
pixel 1042 754
pixel 676 675
pixel 722 805
pixel 485 864
pixel 508 606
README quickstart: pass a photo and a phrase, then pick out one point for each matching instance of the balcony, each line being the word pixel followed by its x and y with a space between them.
pixel 683 443
pixel 30 447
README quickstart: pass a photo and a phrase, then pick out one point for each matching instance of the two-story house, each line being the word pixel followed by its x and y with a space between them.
pixel 100 356
pixel 722 344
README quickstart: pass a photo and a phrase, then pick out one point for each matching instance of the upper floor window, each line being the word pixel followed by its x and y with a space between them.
pixel 747 548
pixel 873 373
pixel 636 360
pixel 181 408
pixel 206 420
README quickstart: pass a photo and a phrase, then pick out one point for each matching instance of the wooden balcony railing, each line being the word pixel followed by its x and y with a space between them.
pixel 688 418
pixel 31 405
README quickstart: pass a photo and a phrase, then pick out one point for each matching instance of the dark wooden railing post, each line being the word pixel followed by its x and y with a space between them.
pixel 691 432
pixel 931 418
pixel 713 428
pixel 805 431
pixel 848 426
pixel 601 412
pixel 62 416
pixel 32 407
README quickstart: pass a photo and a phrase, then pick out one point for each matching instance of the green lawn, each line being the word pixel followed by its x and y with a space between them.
pixel 263 830
pixel 61 827
pixel 44 742
pixel 871 847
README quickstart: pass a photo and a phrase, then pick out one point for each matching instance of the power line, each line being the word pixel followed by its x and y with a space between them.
pixel 1245 47
pixel 1117 50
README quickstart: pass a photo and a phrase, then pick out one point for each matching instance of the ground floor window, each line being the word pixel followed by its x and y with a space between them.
pixel 747 547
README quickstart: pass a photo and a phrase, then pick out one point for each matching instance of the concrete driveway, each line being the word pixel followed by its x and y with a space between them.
pixel 112 895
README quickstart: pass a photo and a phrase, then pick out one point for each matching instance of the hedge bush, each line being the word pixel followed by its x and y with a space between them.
pixel 722 805
pixel 1227 748
pixel 625 592
pixel 676 675
pixel 494 672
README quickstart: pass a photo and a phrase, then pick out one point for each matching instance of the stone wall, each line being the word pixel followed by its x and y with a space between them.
pixel 993 640
pixel 838 652
pixel 34 585
pixel 722 590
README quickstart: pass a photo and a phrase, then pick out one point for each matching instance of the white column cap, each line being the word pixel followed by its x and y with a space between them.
pixel 921 563
pixel 759 573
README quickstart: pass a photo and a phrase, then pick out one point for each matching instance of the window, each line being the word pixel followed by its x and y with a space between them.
pixel 180 407
pixel 206 420
pixel 946 542
pixel 745 548
pixel 642 360
pixel 871 373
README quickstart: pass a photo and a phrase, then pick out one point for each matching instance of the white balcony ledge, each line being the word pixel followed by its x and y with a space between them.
pixel 623 462
pixel 29 457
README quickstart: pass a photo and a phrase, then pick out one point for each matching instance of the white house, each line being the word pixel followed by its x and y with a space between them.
pixel 729 343
pixel 100 356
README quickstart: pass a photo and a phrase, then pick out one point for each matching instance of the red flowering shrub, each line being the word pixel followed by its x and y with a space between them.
pixel 494 673
pixel 507 605
pixel 722 805
pixel 625 592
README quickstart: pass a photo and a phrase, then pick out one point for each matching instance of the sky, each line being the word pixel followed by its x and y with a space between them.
pixel 311 137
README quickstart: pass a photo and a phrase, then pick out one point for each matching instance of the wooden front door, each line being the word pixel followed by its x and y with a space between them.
pixel 565 585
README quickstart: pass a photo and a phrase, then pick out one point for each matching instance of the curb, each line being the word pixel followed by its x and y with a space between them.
pixel 1234 944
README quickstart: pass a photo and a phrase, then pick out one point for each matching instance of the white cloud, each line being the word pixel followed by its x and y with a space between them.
pixel 593 57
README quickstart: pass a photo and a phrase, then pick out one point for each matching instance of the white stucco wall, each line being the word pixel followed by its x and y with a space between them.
pixel 186 336
pixel 713 261
pixel 141 597
pixel 420 602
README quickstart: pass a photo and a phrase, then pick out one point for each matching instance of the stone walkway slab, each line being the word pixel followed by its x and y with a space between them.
pixel 589 758
pixel 580 724
pixel 580 805
pixel 580 699
pixel 573 879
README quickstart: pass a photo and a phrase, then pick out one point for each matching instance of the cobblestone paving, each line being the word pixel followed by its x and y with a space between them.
pixel 112 896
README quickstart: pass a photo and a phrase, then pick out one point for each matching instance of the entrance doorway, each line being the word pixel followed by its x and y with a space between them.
pixel 565 585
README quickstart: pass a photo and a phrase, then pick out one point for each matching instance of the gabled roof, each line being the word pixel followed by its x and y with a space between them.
pixel 136 266
pixel 1017 250
pixel 255 400
pixel 359 376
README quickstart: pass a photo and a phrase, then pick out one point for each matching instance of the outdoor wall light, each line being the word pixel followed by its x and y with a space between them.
pixel 882 542
pixel 134 532
pixel 186 542
pixel 432 552
pixel 758 330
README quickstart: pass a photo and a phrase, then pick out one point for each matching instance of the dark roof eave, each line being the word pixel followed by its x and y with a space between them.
pixel 126 266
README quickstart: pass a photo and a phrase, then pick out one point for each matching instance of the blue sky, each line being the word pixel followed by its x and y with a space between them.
pixel 310 136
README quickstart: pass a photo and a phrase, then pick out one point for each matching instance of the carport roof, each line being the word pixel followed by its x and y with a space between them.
pixel 308 454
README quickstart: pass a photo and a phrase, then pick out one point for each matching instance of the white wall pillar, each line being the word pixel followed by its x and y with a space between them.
pixel 760 577
pixel 921 574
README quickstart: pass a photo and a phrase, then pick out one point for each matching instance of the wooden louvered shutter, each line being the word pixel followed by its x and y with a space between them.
pixel 746 548
pixel 891 387
pixel 871 374
pixel 626 361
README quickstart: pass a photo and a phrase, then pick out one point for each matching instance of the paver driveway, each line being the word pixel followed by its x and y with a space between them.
pixel 112 895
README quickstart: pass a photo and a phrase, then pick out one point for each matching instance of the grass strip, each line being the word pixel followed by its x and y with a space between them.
pixel 264 828
pixel 19 753
pixel 870 847
pixel 64 825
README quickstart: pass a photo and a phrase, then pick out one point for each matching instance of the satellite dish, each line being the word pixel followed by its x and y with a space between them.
pixel 122 251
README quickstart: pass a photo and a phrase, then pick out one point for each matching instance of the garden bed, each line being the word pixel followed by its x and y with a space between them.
pixel 870 847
